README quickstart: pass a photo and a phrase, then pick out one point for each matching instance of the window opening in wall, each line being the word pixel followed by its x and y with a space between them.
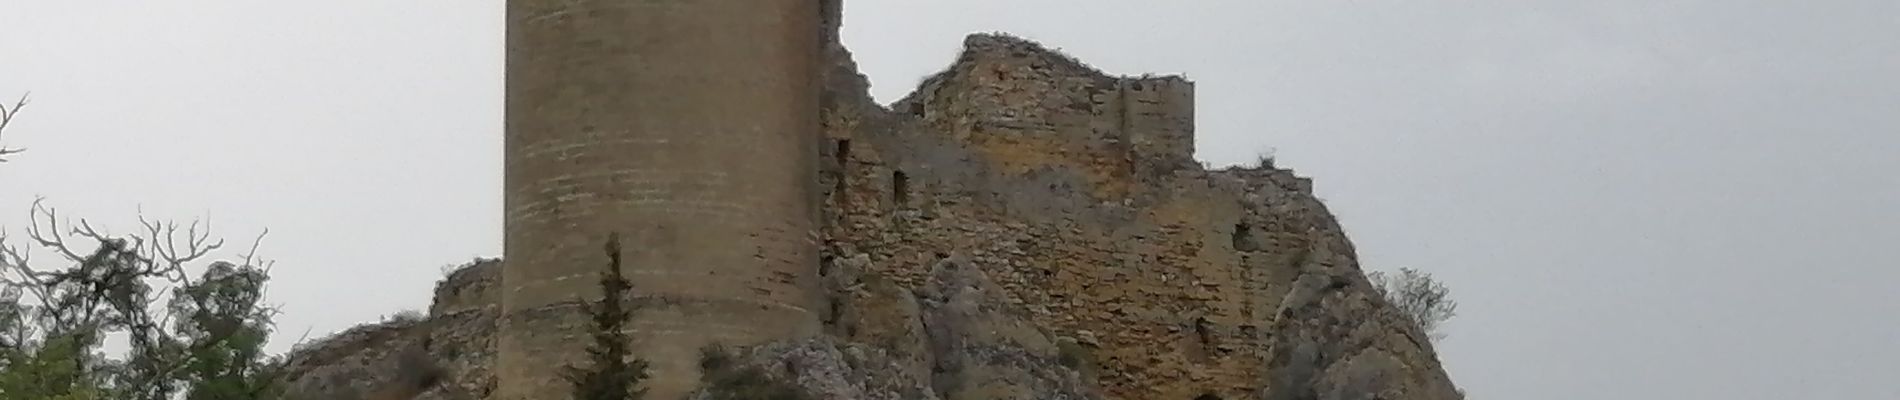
pixel 825 13
pixel 843 152
pixel 1243 237
pixel 1205 333
pixel 1199 346
pixel 900 188
pixel 834 307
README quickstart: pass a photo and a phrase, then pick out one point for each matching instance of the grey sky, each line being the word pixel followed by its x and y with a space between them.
pixel 1630 199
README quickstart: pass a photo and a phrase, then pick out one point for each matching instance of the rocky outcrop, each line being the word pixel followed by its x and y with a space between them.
pixel 446 355
pixel 956 331
pixel 1022 227
pixel 952 340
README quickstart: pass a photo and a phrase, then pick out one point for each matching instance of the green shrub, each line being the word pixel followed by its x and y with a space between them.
pixel 725 379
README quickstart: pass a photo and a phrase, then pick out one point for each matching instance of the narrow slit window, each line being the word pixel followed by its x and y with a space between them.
pixel 900 188
pixel 1204 332
pixel 842 178
pixel 843 153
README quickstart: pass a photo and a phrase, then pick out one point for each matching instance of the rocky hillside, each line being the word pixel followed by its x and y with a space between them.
pixel 1022 226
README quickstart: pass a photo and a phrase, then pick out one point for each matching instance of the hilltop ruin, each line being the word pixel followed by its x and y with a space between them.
pixel 1022 226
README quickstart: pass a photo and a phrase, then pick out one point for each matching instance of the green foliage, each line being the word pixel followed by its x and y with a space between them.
pixel 204 341
pixel 725 379
pixel 612 372
pixel 223 327
pixel 1423 300
pixel 1073 355
pixel 58 368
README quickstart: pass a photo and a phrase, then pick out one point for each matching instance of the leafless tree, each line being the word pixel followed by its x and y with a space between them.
pixel 1421 299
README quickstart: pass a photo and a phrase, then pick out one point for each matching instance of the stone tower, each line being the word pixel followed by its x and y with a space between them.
pixel 690 128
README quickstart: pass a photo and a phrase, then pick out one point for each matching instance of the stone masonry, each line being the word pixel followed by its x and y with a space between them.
pixel 1022 226
pixel 687 128
pixel 1077 193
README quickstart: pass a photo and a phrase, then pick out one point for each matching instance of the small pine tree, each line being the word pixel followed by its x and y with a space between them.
pixel 614 374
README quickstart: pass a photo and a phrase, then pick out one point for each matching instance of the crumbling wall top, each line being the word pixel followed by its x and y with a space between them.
pixel 469 287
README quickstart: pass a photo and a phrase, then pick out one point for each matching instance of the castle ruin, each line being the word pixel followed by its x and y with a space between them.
pixel 1022 226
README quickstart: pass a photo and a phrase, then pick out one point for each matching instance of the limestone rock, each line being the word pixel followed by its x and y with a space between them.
pixel 981 350
pixel 826 368
pixel 445 356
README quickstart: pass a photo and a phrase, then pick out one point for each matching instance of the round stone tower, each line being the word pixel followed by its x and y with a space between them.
pixel 688 127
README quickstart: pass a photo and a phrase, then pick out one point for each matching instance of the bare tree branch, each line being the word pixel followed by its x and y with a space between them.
pixel 196 245
pixel 6 117
pixel 251 259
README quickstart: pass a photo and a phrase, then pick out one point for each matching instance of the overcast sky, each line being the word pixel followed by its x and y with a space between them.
pixel 1629 199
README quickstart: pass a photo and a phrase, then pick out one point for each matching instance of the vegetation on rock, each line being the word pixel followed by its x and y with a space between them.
pixel 726 379
pixel 1423 300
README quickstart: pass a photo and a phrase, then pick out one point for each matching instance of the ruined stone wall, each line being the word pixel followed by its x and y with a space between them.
pixel 1075 191
pixel 1159 122
pixel 471 288
pixel 449 355
pixel 1048 175
pixel 688 128
pixel 1032 109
